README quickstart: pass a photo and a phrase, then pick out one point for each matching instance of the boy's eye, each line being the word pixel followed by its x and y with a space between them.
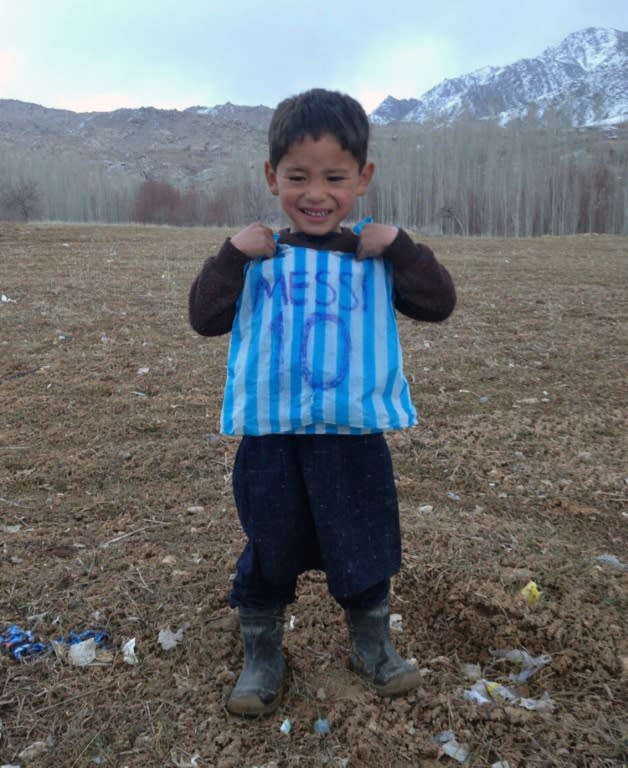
pixel 295 177
pixel 336 178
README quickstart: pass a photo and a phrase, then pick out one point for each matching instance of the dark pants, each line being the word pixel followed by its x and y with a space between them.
pixel 323 502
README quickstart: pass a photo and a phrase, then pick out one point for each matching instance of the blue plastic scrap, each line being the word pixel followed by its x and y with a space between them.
pixel 321 727
pixel 73 638
pixel 22 646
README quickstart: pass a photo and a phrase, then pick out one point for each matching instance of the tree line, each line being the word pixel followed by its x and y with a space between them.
pixel 523 179
pixel 530 177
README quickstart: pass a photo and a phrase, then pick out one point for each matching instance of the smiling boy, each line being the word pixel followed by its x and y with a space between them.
pixel 314 379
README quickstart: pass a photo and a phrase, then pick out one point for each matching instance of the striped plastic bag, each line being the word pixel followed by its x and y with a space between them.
pixel 315 348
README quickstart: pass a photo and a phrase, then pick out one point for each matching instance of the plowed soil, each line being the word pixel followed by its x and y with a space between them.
pixel 116 514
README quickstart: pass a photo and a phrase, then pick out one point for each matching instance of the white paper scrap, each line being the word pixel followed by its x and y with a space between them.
pixel 128 652
pixel 169 639
pixel 84 653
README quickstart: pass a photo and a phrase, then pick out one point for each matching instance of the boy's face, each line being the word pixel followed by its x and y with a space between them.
pixel 317 183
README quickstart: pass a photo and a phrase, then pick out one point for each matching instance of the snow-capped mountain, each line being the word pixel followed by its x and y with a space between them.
pixel 585 77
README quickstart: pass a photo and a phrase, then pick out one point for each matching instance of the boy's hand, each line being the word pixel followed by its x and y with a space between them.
pixel 255 241
pixel 374 240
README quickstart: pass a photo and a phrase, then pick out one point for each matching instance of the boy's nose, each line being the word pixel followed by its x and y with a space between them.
pixel 316 191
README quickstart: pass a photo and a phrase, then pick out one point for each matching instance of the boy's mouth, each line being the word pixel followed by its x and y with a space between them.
pixel 315 213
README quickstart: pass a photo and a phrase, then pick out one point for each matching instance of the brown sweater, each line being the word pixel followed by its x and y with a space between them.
pixel 423 288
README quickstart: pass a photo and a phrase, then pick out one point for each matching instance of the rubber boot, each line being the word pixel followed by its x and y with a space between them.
pixel 260 685
pixel 373 655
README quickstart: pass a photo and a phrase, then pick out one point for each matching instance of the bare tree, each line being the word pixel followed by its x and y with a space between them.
pixel 21 200
pixel 533 176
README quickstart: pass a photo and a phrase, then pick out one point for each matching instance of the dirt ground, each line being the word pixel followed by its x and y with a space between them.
pixel 116 514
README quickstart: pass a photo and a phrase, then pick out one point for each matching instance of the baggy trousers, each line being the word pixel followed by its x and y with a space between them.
pixel 324 502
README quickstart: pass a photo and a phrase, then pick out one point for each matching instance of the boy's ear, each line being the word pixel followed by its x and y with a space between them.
pixel 366 175
pixel 271 177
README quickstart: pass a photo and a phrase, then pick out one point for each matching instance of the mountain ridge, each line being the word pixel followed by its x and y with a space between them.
pixel 585 77
pixel 220 146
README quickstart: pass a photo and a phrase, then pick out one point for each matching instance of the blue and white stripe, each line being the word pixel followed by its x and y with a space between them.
pixel 315 348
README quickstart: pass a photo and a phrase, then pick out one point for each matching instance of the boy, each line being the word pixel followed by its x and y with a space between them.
pixel 314 378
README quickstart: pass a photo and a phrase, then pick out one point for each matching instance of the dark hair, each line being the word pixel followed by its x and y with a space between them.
pixel 314 113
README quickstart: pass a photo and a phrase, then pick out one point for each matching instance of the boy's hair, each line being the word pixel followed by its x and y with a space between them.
pixel 314 113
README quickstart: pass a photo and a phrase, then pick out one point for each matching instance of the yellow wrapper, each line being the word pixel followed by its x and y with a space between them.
pixel 531 593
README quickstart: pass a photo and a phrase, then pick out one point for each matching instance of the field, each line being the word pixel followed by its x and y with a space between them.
pixel 116 514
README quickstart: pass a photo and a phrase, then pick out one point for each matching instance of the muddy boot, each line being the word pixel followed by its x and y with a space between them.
pixel 259 687
pixel 373 656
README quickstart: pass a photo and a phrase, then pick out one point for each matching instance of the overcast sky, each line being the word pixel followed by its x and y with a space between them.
pixel 86 55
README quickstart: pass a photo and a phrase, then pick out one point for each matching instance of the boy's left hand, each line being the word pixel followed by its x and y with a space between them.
pixel 374 240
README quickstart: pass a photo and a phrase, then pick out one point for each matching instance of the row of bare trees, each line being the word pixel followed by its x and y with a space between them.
pixel 44 186
pixel 480 178
pixel 159 202
pixel 469 178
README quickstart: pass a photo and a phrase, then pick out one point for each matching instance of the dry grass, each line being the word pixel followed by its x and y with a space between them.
pixel 520 456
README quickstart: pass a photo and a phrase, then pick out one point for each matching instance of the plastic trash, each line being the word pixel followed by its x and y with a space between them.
pixel 128 652
pixel 286 727
pixel 543 704
pixel 83 648
pixel 455 750
pixel 487 691
pixel 477 694
pixel 33 751
pixel 396 622
pixel 184 763
pixel 321 727
pixel 529 664
pixel 531 593
pixel 471 671
pixel 498 691
pixel 82 654
pixel 611 560
pixel 448 743
pixel 21 644
pixel 10 529
pixel 99 637
pixel 169 639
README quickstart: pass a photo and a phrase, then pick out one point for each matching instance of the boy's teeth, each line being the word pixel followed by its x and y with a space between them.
pixel 315 213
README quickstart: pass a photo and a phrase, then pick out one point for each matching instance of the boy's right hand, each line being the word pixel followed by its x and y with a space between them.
pixel 255 241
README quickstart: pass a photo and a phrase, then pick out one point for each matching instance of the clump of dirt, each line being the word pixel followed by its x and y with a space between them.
pixel 116 514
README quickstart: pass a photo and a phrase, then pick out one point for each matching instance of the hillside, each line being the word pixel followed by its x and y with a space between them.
pixel 536 147
pixel 585 78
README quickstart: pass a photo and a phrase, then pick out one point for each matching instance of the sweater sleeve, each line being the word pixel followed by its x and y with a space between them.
pixel 215 290
pixel 424 289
